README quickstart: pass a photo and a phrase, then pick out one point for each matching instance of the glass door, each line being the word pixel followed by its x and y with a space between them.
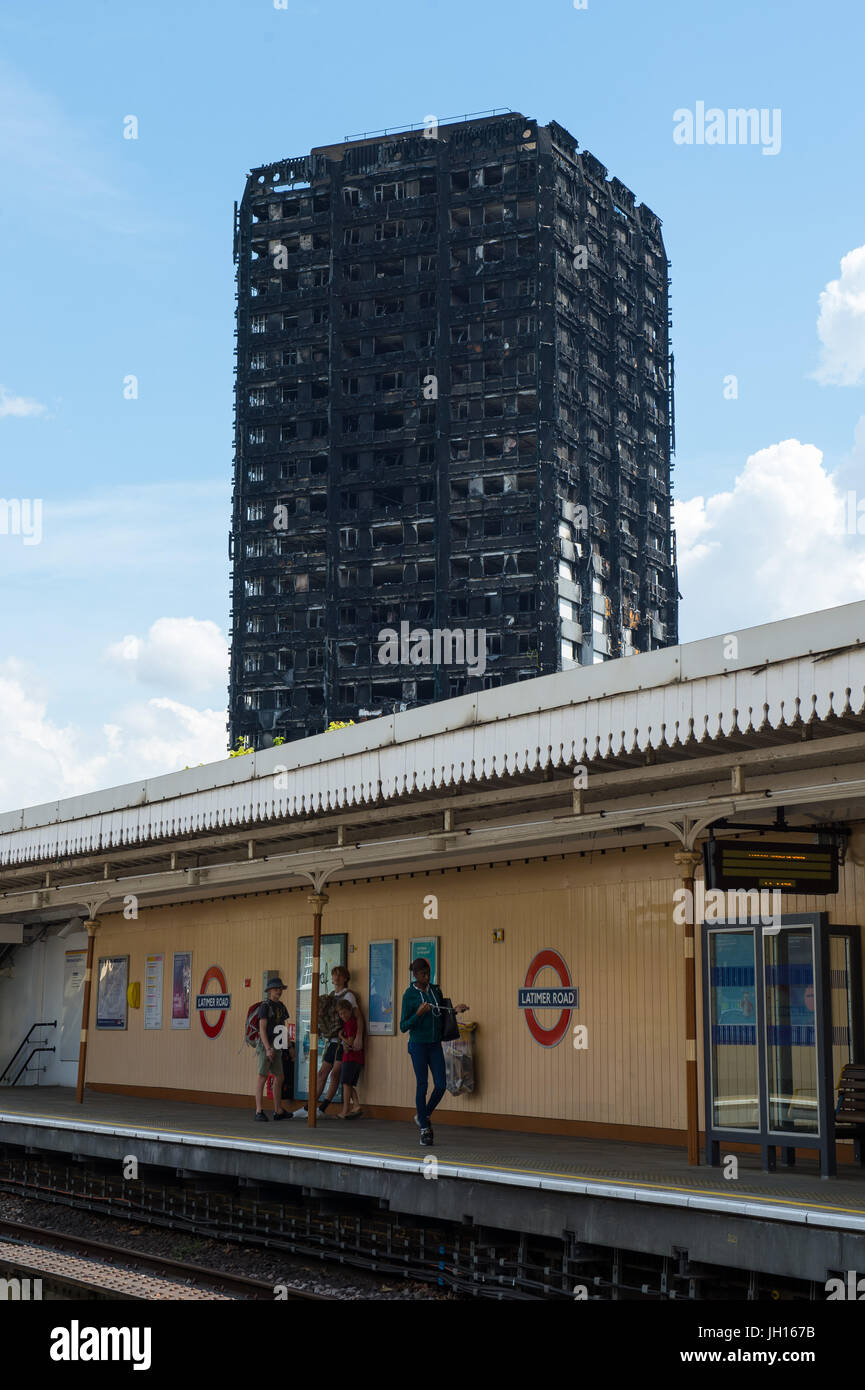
pixel 733 1056
pixel 842 969
pixel 792 1070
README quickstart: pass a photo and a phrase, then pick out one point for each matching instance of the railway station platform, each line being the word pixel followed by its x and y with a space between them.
pixel 789 1224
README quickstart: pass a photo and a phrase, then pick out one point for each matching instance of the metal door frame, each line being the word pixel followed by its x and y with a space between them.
pixel 770 1140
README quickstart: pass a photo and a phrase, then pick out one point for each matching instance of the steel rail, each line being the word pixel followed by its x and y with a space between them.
pixel 15 1233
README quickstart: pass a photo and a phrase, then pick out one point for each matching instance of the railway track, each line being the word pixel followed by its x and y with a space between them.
pixel 341 1237
pixel 375 1246
pixel 121 1273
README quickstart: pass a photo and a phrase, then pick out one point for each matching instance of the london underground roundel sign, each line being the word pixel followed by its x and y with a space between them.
pixel 205 1001
pixel 563 996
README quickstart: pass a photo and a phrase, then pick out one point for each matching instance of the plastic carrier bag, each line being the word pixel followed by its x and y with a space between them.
pixel 460 1061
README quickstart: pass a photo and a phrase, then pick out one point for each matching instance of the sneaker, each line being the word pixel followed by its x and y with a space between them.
pixel 260 1115
pixel 282 1115
pixel 302 1114
pixel 322 1109
pixel 417 1122
pixel 426 1138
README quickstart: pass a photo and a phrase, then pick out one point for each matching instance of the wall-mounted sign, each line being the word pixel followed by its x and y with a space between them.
pixel 73 983
pixel 112 978
pixel 153 972
pixel 425 948
pixel 381 975
pixel 758 864
pixel 563 996
pixel 205 1003
pixel 181 989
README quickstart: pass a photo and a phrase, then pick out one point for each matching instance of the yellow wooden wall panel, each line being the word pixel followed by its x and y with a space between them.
pixel 609 915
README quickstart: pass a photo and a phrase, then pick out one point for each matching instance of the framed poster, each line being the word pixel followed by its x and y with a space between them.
pixel 181 989
pixel 382 986
pixel 112 978
pixel 74 966
pixel 333 952
pixel 153 976
pixel 427 948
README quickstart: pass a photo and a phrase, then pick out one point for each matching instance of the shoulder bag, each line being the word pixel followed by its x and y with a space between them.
pixel 448 1019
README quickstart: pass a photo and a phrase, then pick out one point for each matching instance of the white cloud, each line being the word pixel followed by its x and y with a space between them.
pixel 44 761
pixel 18 405
pixel 165 736
pixel 773 547
pixel 176 654
pixel 841 324
pixel 692 524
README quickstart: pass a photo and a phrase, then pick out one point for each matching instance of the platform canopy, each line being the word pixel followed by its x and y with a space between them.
pixel 648 748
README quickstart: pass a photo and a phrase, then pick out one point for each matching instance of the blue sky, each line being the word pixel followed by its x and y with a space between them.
pixel 117 260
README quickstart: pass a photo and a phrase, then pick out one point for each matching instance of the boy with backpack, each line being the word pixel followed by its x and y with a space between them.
pixel 272 1014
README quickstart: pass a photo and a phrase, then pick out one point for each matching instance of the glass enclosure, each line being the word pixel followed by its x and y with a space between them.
pixel 843 1019
pixel 733 1031
pixel 782 1014
pixel 791 1034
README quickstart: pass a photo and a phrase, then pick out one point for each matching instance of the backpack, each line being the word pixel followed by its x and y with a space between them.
pixel 329 1021
pixel 250 1031
pixel 251 1034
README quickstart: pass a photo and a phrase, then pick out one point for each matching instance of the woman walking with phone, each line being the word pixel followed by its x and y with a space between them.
pixel 421 1018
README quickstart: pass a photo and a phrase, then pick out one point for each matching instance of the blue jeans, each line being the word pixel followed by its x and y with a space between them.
pixel 423 1056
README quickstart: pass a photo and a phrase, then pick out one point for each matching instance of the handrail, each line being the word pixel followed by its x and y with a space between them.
pixel 24 1044
pixel 446 120
pixel 31 1054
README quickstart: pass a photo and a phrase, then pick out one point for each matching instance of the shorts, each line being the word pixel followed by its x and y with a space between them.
pixel 333 1052
pixel 350 1073
pixel 266 1067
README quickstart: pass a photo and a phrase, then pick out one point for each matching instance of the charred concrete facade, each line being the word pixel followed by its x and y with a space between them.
pixel 453 413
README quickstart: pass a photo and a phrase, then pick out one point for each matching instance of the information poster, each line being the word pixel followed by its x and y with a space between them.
pixel 74 967
pixel 382 970
pixel 181 989
pixel 112 979
pixel 154 970
pixel 425 948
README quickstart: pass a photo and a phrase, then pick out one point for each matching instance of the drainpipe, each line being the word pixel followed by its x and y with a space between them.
pixel 318 901
pixel 85 1011
pixel 688 861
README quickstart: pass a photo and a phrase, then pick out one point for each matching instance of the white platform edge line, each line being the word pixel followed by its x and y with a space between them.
pixel 743 1206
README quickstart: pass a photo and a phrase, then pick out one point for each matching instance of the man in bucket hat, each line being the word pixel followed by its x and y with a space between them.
pixel 272 1014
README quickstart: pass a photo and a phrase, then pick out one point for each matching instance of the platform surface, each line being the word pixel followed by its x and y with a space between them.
pixel 640 1172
